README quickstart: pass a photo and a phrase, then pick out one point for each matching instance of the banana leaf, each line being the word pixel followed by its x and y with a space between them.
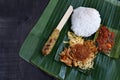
pixel 105 68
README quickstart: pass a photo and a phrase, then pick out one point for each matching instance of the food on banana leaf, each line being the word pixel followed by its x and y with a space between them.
pixel 74 39
pixel 80 53
pixel 105 40
pixel 85 21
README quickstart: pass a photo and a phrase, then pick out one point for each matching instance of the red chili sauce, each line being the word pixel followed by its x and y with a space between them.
pixel 105 40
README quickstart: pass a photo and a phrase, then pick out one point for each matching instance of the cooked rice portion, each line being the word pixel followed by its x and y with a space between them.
pixel 85 21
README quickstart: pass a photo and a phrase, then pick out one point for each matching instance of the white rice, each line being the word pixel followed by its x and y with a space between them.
pixel 85 21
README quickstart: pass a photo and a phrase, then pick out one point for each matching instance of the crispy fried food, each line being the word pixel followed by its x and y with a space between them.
pixel 74 39
pixel 79 55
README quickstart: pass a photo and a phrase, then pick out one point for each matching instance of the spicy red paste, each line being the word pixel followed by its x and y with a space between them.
pixel 105 40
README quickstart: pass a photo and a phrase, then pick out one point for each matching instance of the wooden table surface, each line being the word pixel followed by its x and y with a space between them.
pixel 17 18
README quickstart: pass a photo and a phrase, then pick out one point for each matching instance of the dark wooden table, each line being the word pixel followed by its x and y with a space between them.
pixel 17 18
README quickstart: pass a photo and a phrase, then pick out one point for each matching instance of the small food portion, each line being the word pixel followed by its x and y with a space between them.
pixel 50 42
pixel 105 40
pixel 79 54
pixel 74 39
pixel 55 34
pixel 85 21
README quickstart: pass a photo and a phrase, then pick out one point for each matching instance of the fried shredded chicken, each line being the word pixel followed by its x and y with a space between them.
pixel 79 54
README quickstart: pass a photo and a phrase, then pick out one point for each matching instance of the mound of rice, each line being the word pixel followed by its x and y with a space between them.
pixel 85 21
